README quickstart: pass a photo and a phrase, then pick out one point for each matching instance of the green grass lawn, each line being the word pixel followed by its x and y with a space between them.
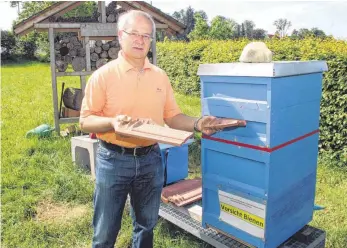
pixel 47 201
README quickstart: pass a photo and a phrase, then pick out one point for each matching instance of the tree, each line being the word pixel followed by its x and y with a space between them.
pixel 259 34
pixel 26 46
pixel 318 33
pixel 202 14
pixel 86 9
pixel 276 35
pixel 304 32
pixel 35 45
pixel 295 34
pixel 282 26
pixel 222 28
pixel 8 44
pixel 201 29
pixel 237 31
pixel 243 31
pixel 186 16
pixel 15 4
pixel 248 28
pixel 31 8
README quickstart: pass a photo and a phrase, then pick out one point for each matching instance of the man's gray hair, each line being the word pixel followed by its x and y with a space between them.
pixel 126 17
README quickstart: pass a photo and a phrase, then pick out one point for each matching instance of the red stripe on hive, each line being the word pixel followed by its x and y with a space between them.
pixel 260 148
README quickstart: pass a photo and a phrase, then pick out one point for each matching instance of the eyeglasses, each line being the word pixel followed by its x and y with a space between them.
pixel 145 37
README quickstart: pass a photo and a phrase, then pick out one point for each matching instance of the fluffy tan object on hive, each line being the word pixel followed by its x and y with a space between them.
pixel 256 52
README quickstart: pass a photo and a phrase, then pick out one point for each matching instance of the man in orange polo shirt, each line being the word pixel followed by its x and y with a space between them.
pixel 130 86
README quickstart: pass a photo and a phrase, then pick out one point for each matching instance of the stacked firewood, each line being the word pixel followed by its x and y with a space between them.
pixel 103 52
pixel 69 50
pixel 111 13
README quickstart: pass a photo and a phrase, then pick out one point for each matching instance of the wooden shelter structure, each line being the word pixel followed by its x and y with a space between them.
pixel 93 42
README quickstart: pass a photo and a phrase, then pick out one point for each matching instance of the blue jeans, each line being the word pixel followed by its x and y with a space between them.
pixel 118 175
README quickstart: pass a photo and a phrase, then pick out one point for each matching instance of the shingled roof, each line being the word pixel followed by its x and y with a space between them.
pixel 63 7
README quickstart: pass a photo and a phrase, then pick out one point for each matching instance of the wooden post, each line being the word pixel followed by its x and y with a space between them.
pixel 54 81
pixel 154 48
pixel 83 83
pixel 102 7
pixel 86 42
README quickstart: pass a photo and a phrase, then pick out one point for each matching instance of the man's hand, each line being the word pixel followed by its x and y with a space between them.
pixel 121 121
pixel 126 122
pixel 209 124
pixel 147 121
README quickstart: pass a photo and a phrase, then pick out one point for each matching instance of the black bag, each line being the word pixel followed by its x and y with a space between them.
pixel 72 98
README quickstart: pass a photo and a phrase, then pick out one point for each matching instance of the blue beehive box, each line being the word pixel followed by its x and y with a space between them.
pixel 175 161
pixel 259 181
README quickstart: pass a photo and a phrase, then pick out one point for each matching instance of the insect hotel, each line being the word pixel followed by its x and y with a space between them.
pixel 78 46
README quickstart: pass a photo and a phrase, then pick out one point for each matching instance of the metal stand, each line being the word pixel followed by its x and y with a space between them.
pixel 308 237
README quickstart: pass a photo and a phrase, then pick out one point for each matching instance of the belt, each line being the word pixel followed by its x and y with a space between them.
pixel 137 151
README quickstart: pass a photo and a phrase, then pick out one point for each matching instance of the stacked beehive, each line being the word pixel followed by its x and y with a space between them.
pixel 259 181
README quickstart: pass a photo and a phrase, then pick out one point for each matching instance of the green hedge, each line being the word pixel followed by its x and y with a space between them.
pixel 181 60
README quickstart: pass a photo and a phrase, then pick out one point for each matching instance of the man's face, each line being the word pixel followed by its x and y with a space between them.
pixel 135 39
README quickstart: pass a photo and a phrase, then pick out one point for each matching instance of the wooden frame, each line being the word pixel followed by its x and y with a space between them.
pixel 74 73
pixel 102 7
pixel 54 80
pixel 99 29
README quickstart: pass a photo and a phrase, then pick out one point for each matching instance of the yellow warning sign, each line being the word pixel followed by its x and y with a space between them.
pixel 243 215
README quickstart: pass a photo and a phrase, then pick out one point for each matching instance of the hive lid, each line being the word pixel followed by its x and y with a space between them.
pixel 273 69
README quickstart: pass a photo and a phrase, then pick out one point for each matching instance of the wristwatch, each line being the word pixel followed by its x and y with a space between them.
pixel 196 124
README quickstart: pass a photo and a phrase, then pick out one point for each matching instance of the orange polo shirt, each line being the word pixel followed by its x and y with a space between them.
pixel 118 88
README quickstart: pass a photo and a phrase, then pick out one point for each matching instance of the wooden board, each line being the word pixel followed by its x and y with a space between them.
pixel 188 200
pixel 180 188
pixel 157 133
pixel 102 8
pixel 226 122
pixel 87 44
pixel 99 29
pixel 75 73
pixel 54 80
